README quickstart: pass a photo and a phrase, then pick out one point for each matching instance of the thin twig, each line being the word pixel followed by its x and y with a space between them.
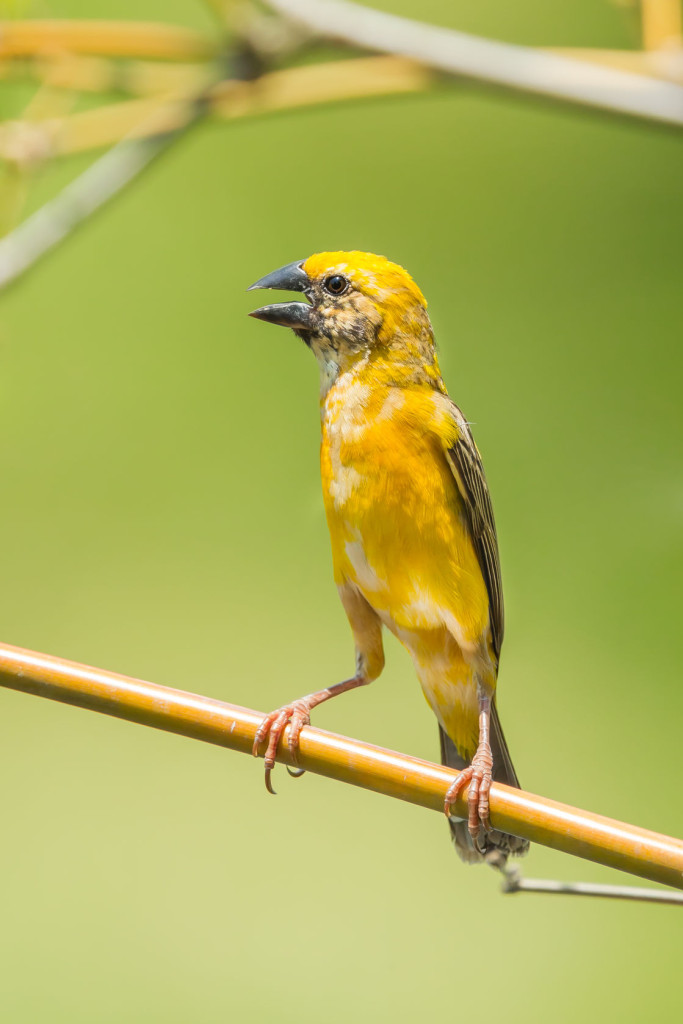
pixel 580 833
pixel 515 67
pixel 514 882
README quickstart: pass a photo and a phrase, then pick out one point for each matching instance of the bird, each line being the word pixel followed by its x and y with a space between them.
pixel 414 544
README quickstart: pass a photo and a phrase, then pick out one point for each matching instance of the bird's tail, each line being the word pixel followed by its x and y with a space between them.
pixel 503 771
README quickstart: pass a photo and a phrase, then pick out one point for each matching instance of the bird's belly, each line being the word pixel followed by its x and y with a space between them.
pixel 413 576
pixel 445 648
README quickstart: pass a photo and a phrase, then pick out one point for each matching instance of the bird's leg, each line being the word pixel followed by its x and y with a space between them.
pixel 478 774
pixel 296 715
pixel 367 632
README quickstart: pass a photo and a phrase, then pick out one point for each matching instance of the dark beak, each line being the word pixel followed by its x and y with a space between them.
pixel 297 315
pixel 290 278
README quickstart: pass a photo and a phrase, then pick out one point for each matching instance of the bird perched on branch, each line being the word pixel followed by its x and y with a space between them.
pixel 413 537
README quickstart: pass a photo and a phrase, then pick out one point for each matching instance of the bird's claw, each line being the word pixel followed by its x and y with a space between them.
pixel 478 776
pixel 296 715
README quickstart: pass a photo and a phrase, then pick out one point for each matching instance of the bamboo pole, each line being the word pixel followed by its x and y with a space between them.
pixel 580 833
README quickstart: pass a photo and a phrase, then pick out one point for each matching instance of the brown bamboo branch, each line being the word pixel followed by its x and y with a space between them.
pixel 112 38
pixel 577 832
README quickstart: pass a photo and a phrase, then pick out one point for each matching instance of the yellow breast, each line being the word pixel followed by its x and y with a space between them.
pixel 397 522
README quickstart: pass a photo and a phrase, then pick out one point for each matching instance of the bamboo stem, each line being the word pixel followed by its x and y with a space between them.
pixel 577 832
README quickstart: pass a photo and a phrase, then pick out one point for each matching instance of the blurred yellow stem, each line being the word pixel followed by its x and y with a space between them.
pixel 661 23
pixel 103 74
pixel 573 831
pixel 115 38
pixel 280 90
pixel 148 78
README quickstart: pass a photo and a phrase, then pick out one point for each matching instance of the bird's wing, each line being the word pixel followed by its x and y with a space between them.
pixel 465 462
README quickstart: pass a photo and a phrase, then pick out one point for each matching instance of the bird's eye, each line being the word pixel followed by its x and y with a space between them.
pixel 336 284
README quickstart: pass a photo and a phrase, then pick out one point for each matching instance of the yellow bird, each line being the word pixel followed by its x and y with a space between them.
pixel 413 537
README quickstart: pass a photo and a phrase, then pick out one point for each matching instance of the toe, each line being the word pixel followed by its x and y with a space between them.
pixel 261 734
pixel 274 738
pixel 473 808
pixel 271 730
pixel 300 718
pixel 455 789
pixel 483 808
pixel 296 724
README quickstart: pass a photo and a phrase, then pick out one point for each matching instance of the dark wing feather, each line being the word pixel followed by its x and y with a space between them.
pixel 465 461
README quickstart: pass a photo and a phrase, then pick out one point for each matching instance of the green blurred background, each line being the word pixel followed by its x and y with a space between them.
pixel 162 517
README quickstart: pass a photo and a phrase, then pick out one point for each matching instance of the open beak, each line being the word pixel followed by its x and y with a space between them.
pixel 297 315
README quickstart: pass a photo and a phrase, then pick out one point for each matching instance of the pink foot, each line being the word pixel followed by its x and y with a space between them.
pixel 479 776
pixel 296 715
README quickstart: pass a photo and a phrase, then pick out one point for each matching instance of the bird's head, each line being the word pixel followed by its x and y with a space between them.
pixel 360 307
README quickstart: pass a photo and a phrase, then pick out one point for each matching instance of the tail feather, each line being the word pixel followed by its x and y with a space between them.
pixel 503 771
pixel 503 768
